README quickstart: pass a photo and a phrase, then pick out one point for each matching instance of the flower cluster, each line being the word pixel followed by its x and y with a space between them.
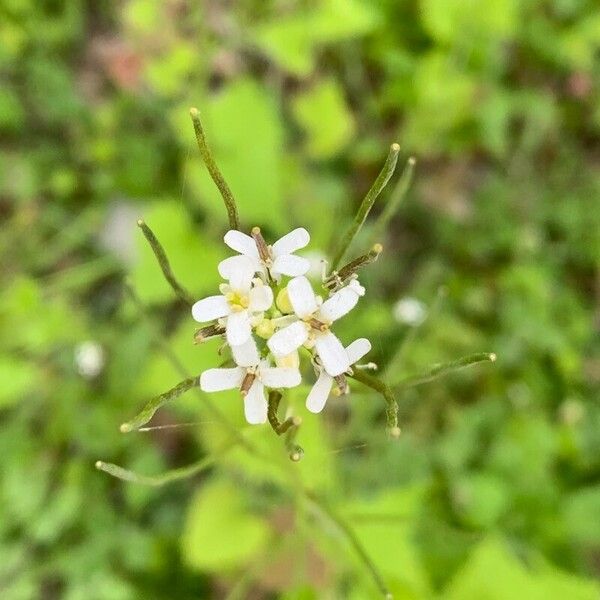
pixel 267 311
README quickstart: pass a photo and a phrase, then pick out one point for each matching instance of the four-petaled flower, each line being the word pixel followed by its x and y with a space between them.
pixel 247 313
pixel 313 326
pixel 251 375
pixel 317 397
pixel 241 299
pixel 276 260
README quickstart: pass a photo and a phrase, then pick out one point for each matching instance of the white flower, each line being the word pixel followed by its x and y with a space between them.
pixel 241 300
pixel 313 326
pixel 410 311
pixel 317 397
pixel 251 376
pixel 278 259
pixel 89 359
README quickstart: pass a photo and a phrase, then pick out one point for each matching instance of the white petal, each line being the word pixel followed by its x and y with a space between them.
pixel 240 277
pixel 255 404
pixel 338 305
pixel 246 354
pixel 332 354
pixel 302 297
pixel 261 298
pixel 292 241
pixel 319 393
pixel 216 380
pixel 242 243
pixel 357 349
pixel 210 308
pixel 238 328
pixel 280 377
pixel 290 265
pixel 234 264
pixel 288 339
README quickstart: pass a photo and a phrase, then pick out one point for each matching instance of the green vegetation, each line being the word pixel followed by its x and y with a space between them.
pixel 493 488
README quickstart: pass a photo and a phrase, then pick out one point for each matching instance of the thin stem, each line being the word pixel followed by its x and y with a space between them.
pixel 396 198
pixel 395 363
pixel 367 204
pixel 388 395
pixel 156 480
pixel 155 403
pixel 180 368
pixel 441 369
pixel 290 426
pixel 164 264
pixel 327 511
pixel 215 173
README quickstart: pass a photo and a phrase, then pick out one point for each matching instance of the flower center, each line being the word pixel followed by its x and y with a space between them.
pixel 316 324
pixel 237 301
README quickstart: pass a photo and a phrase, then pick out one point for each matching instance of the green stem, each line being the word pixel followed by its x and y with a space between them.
pixel 441 369
pixel 327 511
pixel 290 426
pixel 396 198
pixel 388 395
pixel 155 403
pixel 156 480
pixel 215 173
pixel 164 264
pixel 367 204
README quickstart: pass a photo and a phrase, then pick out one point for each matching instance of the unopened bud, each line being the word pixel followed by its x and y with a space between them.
pixel 283 302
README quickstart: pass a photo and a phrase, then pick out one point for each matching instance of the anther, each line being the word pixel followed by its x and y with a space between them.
pixel 208 332
pixel 247 383
pixel 263 249
pixel 316 324
pixel 342 384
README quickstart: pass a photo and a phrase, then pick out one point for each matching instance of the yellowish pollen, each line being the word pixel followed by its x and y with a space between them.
pixel 265 329
pixel 238 302
pixel 336 392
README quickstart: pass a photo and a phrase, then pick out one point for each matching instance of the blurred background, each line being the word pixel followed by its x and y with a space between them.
pixel 493 489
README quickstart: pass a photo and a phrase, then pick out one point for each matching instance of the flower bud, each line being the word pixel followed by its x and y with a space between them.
pixel 283 302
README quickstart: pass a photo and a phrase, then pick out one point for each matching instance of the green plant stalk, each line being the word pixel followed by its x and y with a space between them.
pixel 366 205
pixel 164 264
pixel 156 480
pixel 439 370
pixel 215 173
pixel 395 363
pixel 388 395
pixel 290 426
pixel 155 403
pixel 396 198
pixel 327 511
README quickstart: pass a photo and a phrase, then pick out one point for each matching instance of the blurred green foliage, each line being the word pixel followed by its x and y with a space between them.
pixel 493 490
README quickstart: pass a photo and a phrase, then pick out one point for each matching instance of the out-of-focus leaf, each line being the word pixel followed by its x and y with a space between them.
pixel 293 40
pixel 244 132
pixel 17 378
pixel 325 118
pixel 220 533
pixel 582 515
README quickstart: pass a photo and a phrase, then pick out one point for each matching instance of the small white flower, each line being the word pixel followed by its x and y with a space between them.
pixel 317 397
pixel 252 375
pixel 89 359
pixel 240 300
pixel 278 259
pixel 355 286
pixel 313 328
pixel 410 311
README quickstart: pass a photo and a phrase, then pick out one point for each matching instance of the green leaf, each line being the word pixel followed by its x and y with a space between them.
pixel 17 378
pixel 325 118
pixel 244 131
pixel 220 533
pixel 582 515
pixel 293 40
pixel 490 573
